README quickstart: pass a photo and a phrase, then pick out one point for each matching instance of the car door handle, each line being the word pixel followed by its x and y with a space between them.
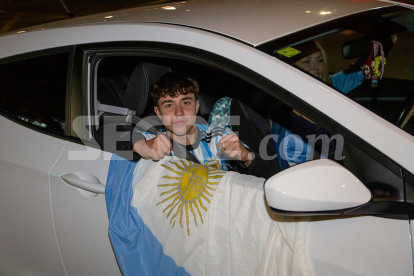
pixel 84 181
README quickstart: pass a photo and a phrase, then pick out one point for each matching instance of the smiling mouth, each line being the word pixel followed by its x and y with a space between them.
pixel 315 73
pixel 180 123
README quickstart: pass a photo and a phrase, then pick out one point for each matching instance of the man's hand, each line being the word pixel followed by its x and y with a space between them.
pixel 235 149
pixel 155 148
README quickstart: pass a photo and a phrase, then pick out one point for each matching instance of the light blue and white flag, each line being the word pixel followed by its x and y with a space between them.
pixel 175 217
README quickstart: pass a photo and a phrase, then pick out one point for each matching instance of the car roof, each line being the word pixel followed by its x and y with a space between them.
pixel 251 21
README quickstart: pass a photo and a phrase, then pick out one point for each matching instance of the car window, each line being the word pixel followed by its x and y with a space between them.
pixel 351 61
pixel 387 96
pixel 33 91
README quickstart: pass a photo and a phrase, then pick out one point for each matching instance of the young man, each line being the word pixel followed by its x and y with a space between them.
pixel 176 103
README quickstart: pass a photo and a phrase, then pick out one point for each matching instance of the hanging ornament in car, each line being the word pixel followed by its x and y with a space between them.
pixel 377 70
pixel 373 67
pixel 366 69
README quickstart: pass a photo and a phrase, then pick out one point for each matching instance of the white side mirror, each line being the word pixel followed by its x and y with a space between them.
pixel 315 186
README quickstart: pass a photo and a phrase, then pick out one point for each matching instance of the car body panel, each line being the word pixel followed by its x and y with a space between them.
pixel 351 246
pixel 272 18
pixel 80 217
pixel 28 242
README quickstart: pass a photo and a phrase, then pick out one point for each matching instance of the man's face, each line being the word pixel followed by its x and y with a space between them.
pixel 178 114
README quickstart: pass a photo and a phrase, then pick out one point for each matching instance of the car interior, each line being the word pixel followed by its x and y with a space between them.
pixel 114 74
pixel 393 97
pixel 123 85
pixel 349 43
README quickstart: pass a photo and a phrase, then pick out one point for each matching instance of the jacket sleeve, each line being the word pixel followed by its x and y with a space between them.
pixel 259 167
pixel 252 129
pixel 303 127
pixel 347 82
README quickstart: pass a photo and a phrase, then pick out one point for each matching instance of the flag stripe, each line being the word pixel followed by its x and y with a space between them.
pixel 137 250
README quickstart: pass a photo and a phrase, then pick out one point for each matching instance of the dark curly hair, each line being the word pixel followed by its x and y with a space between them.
pixel 173 84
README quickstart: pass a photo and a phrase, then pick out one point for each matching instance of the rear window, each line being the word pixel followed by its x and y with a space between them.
pixel 33 91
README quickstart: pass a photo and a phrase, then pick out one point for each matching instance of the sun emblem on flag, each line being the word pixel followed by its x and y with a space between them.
pixel 192 191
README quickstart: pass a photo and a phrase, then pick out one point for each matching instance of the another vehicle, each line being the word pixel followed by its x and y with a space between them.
pixel 59 78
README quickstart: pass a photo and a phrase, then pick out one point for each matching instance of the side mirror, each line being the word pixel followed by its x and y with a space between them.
pixel 316 187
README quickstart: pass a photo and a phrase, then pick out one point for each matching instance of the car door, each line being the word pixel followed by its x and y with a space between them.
pixel 33 134
pixel 79 215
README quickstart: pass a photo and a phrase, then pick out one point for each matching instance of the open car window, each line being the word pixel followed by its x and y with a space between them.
pixel 351 55
pixel 122 85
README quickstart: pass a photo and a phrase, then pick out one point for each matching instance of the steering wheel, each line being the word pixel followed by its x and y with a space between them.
pixel 407 111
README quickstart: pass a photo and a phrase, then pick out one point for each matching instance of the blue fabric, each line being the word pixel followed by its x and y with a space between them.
pixel 137 250
pixel 280 131
pixel 295 148
pixel 347 82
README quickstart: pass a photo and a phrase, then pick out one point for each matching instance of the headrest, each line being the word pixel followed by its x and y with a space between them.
pixel 137 93
pixel 112 89
pixel 206 104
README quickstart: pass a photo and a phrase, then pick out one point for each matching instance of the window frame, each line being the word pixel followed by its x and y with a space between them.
pixel 42 53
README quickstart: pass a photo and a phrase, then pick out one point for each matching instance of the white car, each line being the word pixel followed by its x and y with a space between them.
pixel 57 79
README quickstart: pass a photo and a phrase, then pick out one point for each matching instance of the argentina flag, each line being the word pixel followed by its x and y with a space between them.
pixel 176 217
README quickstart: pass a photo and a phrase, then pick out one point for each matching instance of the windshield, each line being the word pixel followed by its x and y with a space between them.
pixel 367 56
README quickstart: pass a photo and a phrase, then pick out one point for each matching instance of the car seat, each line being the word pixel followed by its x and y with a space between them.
pixel 124 95
pixel 125 100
